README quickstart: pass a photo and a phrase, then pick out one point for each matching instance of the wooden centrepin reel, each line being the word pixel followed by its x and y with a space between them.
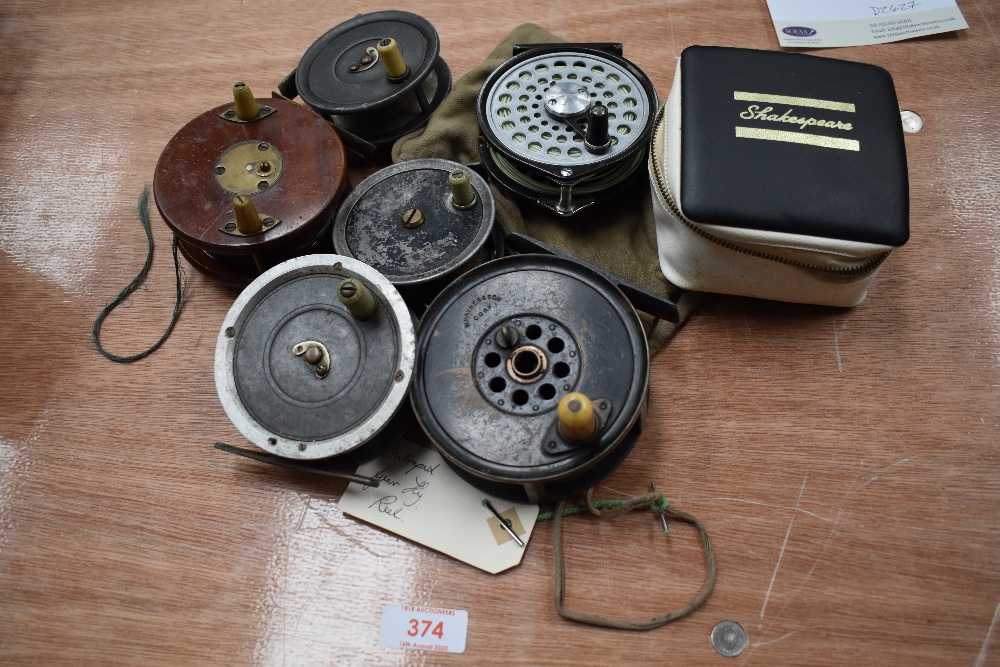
pixel 532 376
pixel 376 77
pixel 566 125
pixel 421 223
pixel 249 184
pixel 313 363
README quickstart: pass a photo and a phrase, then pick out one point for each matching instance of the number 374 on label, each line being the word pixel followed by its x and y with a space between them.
pixel 427 628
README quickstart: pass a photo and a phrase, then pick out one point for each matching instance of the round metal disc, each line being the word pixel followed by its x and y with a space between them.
pixel 324 79
pixel 302 194
pixel 592 342
pixel 513 104
pixel 284 330
pixel 370 223
pixel 729 638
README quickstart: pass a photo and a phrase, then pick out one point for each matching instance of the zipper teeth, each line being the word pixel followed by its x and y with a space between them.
pixel 661 182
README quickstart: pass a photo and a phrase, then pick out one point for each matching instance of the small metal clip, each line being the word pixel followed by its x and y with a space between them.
pixel 663 517
pixel 504 523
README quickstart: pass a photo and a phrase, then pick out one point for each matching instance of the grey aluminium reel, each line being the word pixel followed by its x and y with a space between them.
pixel 566 126
pixel 420 223
pixel 532 377
pixel 314 361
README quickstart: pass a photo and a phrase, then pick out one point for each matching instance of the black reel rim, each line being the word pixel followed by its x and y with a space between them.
pixel 585 467
pixel 418 71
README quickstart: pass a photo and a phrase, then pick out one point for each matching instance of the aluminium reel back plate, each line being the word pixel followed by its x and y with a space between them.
pixel 302 377
pixel 498 350
pixel 405 222
pixel 289 162
pixel 534 112
pixel 340 76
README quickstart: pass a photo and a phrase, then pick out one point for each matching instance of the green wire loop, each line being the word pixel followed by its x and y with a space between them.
pixel 143 206
pixel 611 508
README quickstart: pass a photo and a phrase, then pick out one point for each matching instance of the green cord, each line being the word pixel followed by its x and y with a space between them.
pixel 612 508
pixel 143 206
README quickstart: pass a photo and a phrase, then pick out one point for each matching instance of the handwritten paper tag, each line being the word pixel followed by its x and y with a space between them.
pixel 428 628
pixel 420 498
pixel 811 24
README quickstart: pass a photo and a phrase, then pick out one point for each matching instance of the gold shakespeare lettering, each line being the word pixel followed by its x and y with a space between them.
pixel 757 112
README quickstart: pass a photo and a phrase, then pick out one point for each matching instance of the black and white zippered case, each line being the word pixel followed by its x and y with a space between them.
pixel 778 175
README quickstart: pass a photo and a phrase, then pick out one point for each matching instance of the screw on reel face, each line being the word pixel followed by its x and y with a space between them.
pixel 421 223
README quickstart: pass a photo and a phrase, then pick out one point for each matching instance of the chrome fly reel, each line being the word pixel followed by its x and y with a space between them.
pixel 566 126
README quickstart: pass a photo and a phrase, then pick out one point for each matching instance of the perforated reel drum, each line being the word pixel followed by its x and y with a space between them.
pixel 566 126
pixel 244 194
pixel 305 373
pixel 375 90
pixel 421 223
pixel 532 377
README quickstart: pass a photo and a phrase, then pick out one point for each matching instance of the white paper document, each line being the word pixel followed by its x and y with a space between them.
pixel 420 498
pixel 813 24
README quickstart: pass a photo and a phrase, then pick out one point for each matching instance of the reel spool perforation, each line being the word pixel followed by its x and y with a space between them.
pixel 533 116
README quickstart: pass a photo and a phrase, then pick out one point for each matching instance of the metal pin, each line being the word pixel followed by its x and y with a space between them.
pixel 663 517
pixel 503 522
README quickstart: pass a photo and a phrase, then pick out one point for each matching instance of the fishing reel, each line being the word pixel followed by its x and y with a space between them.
pixel 313 363
pixel 376 77
pixel 249 184
pixel 532 376
pixel 566 125
pixel 421 223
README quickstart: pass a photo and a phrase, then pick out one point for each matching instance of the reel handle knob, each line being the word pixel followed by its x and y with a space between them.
pixel 577 417
pixel 246 106
pixel 392 58
pixel 247 219
pixel 358 298
pixel 462 194
pixel 598 138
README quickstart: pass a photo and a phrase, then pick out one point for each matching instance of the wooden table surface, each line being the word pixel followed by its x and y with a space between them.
pixel 844 461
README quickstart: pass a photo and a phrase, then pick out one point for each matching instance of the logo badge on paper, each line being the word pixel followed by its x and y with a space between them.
pixel 420 498
pixel 811 24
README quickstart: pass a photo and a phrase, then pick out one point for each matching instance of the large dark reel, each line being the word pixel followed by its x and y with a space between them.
pixel 314 361
pixel 421 223
pixel 244 194
pixel 566 126
pixel 532 377
pixel 376 77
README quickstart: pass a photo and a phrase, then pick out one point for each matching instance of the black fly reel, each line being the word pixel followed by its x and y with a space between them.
pixel 376 77
pixel 532 377
pixel 421 223
pixel 314 361
pixel 564 125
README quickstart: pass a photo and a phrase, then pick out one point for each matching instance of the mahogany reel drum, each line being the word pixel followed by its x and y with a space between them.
pixel 247 185
pixel 564 125
pixel 314 361
pixel 421 223
pixel 376 77
pixel 532 377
